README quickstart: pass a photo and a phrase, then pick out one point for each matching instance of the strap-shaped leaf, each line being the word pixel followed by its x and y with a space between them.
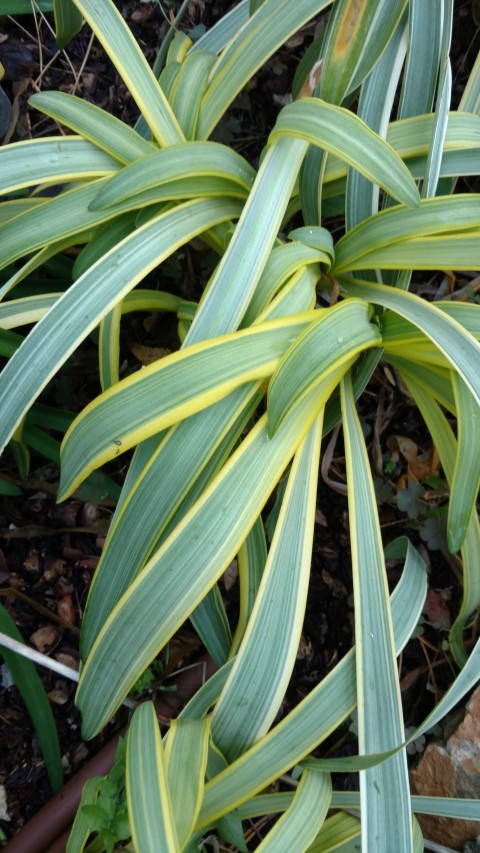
pixel 186 750
pixel 272 24
pixel 411 138
pixel 251 560
pixel 179 458
pixel 189 562
pixel 171 389
pixel 57 160
pixel 357 35
pixel 234 281
pixel 56 336
pixel 384 789
pixel 395 228
pixel 330 342
pixel 81 829
pixel 340 132
pixel 190 86
pixel 92 123
pixel 68 21
pixel 119 43
pixel 460 348
pixel 300 823
pixel 282 263
pixel 29 309
pixel 336 834
pixel 374 108
pixel 175 162
pixel 316 716
pixel 257 683
pixel 150 808
pixel 466 473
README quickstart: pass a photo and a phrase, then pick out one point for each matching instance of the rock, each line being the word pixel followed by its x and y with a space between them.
pixel 452 770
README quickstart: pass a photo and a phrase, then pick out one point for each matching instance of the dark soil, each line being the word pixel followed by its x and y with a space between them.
pixel 49 552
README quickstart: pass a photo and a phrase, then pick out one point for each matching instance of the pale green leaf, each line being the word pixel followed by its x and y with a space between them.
pixel 340 132
pixel 459 347
pixel 397 229
pixel 331 341
pixel 92 123
pixel 171 389
pixel 149 804
pixel 299 824
pixel 384 789
pixel 259 37
pixel 357 34
pixel 186 750
pixel 316 716
pixel 256 686
pixel 175 162
pixel 113 33
pixel 52 160
pixel 188 563
pixel 466 473
pixel 57 335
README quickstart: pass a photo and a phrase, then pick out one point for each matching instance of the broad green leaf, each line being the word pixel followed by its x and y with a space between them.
pixel 340 132
pixel 171 389
pixel 118 42
pixel 52 160
pixel 316 716
pixel 396 229
pixel 357 34
pixel 13 207
pixel 33 693
pixel 186 750
pixel 299 824
pixel 99 127
pixel 459 347
pixel 175 162
pixel 189 562
pixel 330 342
pixel 271 25
pixel 264 662
pixel 384 790
pixel 149 804
pixel 57 335
pixel 68 21
pixel 466 473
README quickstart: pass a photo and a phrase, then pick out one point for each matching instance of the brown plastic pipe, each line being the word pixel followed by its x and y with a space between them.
pixel 46 831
